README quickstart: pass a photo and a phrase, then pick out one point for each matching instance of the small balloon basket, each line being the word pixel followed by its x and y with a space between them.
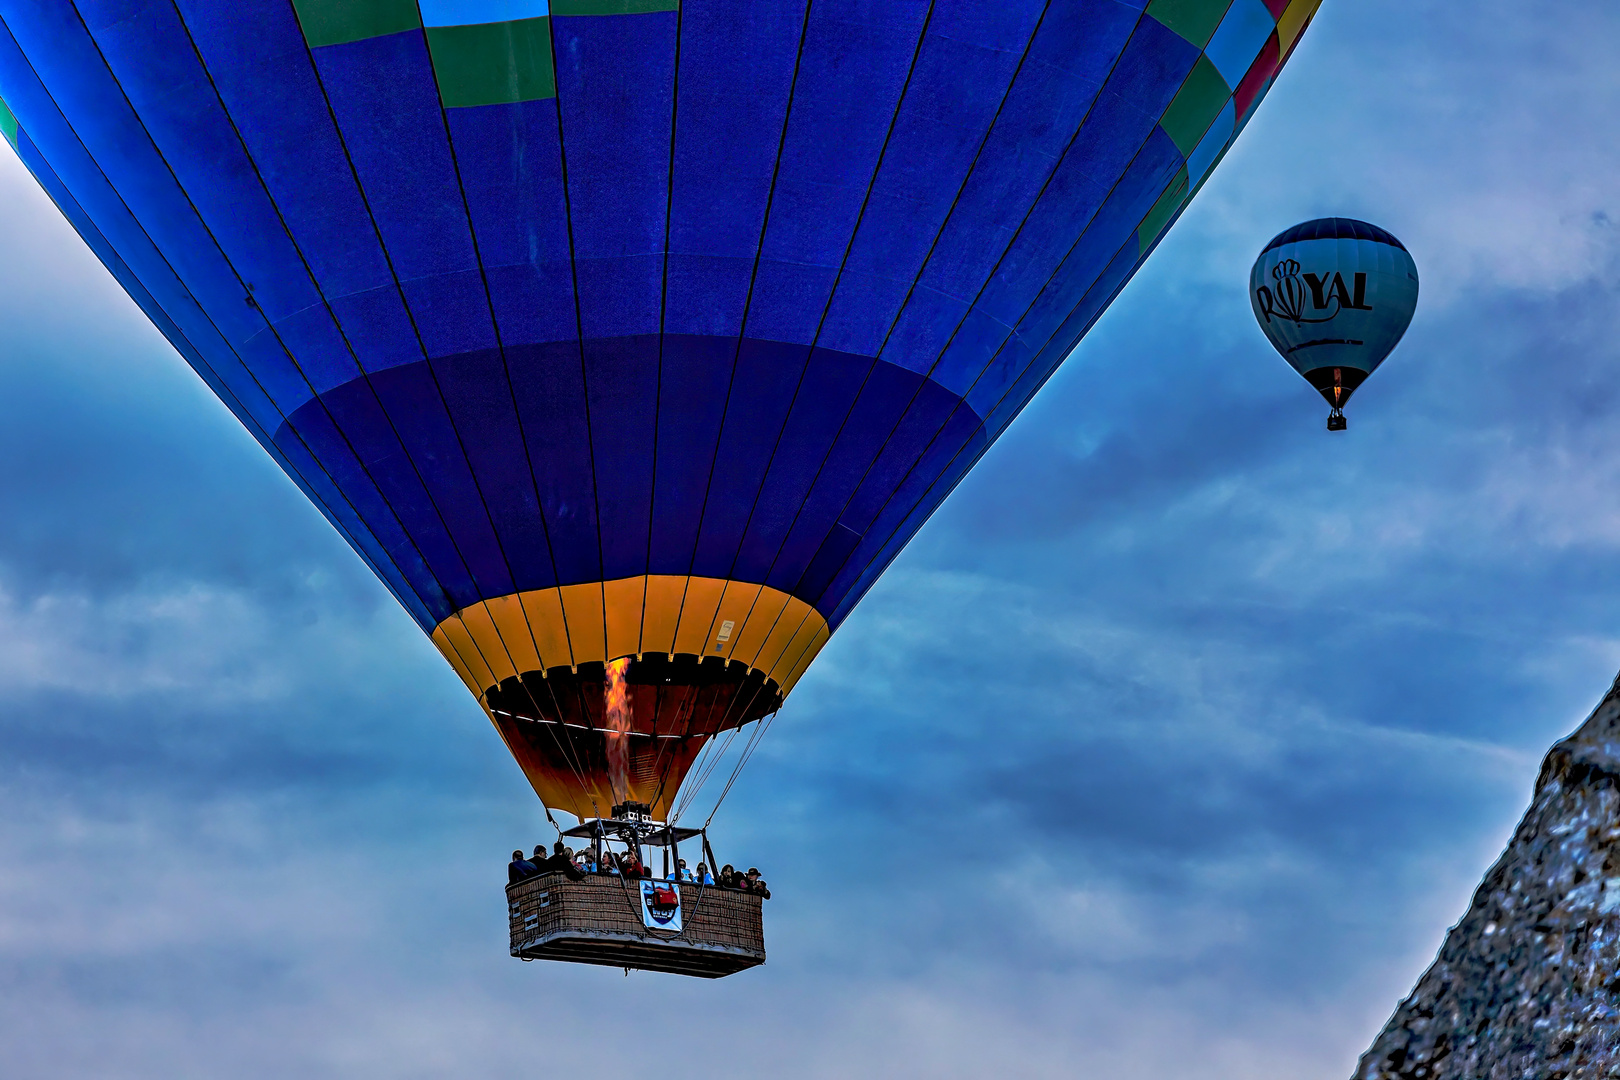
pixel 653 924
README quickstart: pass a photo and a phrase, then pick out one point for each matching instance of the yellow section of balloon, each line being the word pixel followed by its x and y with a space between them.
pixel 1292 21
pixel 765 628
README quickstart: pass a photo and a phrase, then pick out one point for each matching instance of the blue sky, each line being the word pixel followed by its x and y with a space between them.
pixel 1168 749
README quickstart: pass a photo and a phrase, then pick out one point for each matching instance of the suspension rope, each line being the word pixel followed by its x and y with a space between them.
pixel 551 819
pixel 742 760
pixel 712 762
pixel 714 748
pixel 684 713
pixel 559 735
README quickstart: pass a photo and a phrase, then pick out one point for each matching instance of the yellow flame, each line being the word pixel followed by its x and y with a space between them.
pixel 618 727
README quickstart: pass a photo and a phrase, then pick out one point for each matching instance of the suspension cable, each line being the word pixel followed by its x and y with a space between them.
pixel 742 760
pixel 747 750
pixel 709 765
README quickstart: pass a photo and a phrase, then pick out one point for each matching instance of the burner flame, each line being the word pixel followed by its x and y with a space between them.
pixel 618 728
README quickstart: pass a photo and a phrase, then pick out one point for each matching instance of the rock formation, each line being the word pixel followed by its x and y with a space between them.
pixel 1527 984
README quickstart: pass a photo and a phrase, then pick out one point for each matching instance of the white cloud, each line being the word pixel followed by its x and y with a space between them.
pixel 197 638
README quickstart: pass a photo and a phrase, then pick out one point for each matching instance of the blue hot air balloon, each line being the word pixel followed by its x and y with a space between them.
pixel 628 340
pixel 1334 297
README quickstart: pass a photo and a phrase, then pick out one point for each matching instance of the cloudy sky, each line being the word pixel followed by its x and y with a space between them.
pixel 1169 748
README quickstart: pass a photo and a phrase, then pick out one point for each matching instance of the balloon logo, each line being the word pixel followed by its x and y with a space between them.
pixel 1289 298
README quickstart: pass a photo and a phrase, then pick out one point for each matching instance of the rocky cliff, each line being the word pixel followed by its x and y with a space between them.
pixel 1527 985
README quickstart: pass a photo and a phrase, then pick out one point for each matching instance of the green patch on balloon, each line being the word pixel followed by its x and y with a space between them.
pixel 493 63
pixel 1158 218
pixel 8 125
pixel 1194 20
pixel 337 22
pixel 1196 105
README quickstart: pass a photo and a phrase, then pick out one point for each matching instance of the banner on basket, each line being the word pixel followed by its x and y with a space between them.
pixel 661 905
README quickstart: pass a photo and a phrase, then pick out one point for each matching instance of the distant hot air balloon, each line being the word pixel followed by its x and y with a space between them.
pixel 1334 296
pixel 628 340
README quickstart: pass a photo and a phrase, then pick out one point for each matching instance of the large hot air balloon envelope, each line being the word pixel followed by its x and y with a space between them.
pixel 1334 296
pixel 610 329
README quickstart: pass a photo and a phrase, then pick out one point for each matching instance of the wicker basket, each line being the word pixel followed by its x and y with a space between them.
pixel 598 920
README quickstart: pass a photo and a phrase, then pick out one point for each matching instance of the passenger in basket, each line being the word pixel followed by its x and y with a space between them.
pixel 682 873
pixel 756 884
pixel 519 868
pixel 609 863
pixel 562 861
pixel 703 877
pixel 630 863
pixel 728 877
